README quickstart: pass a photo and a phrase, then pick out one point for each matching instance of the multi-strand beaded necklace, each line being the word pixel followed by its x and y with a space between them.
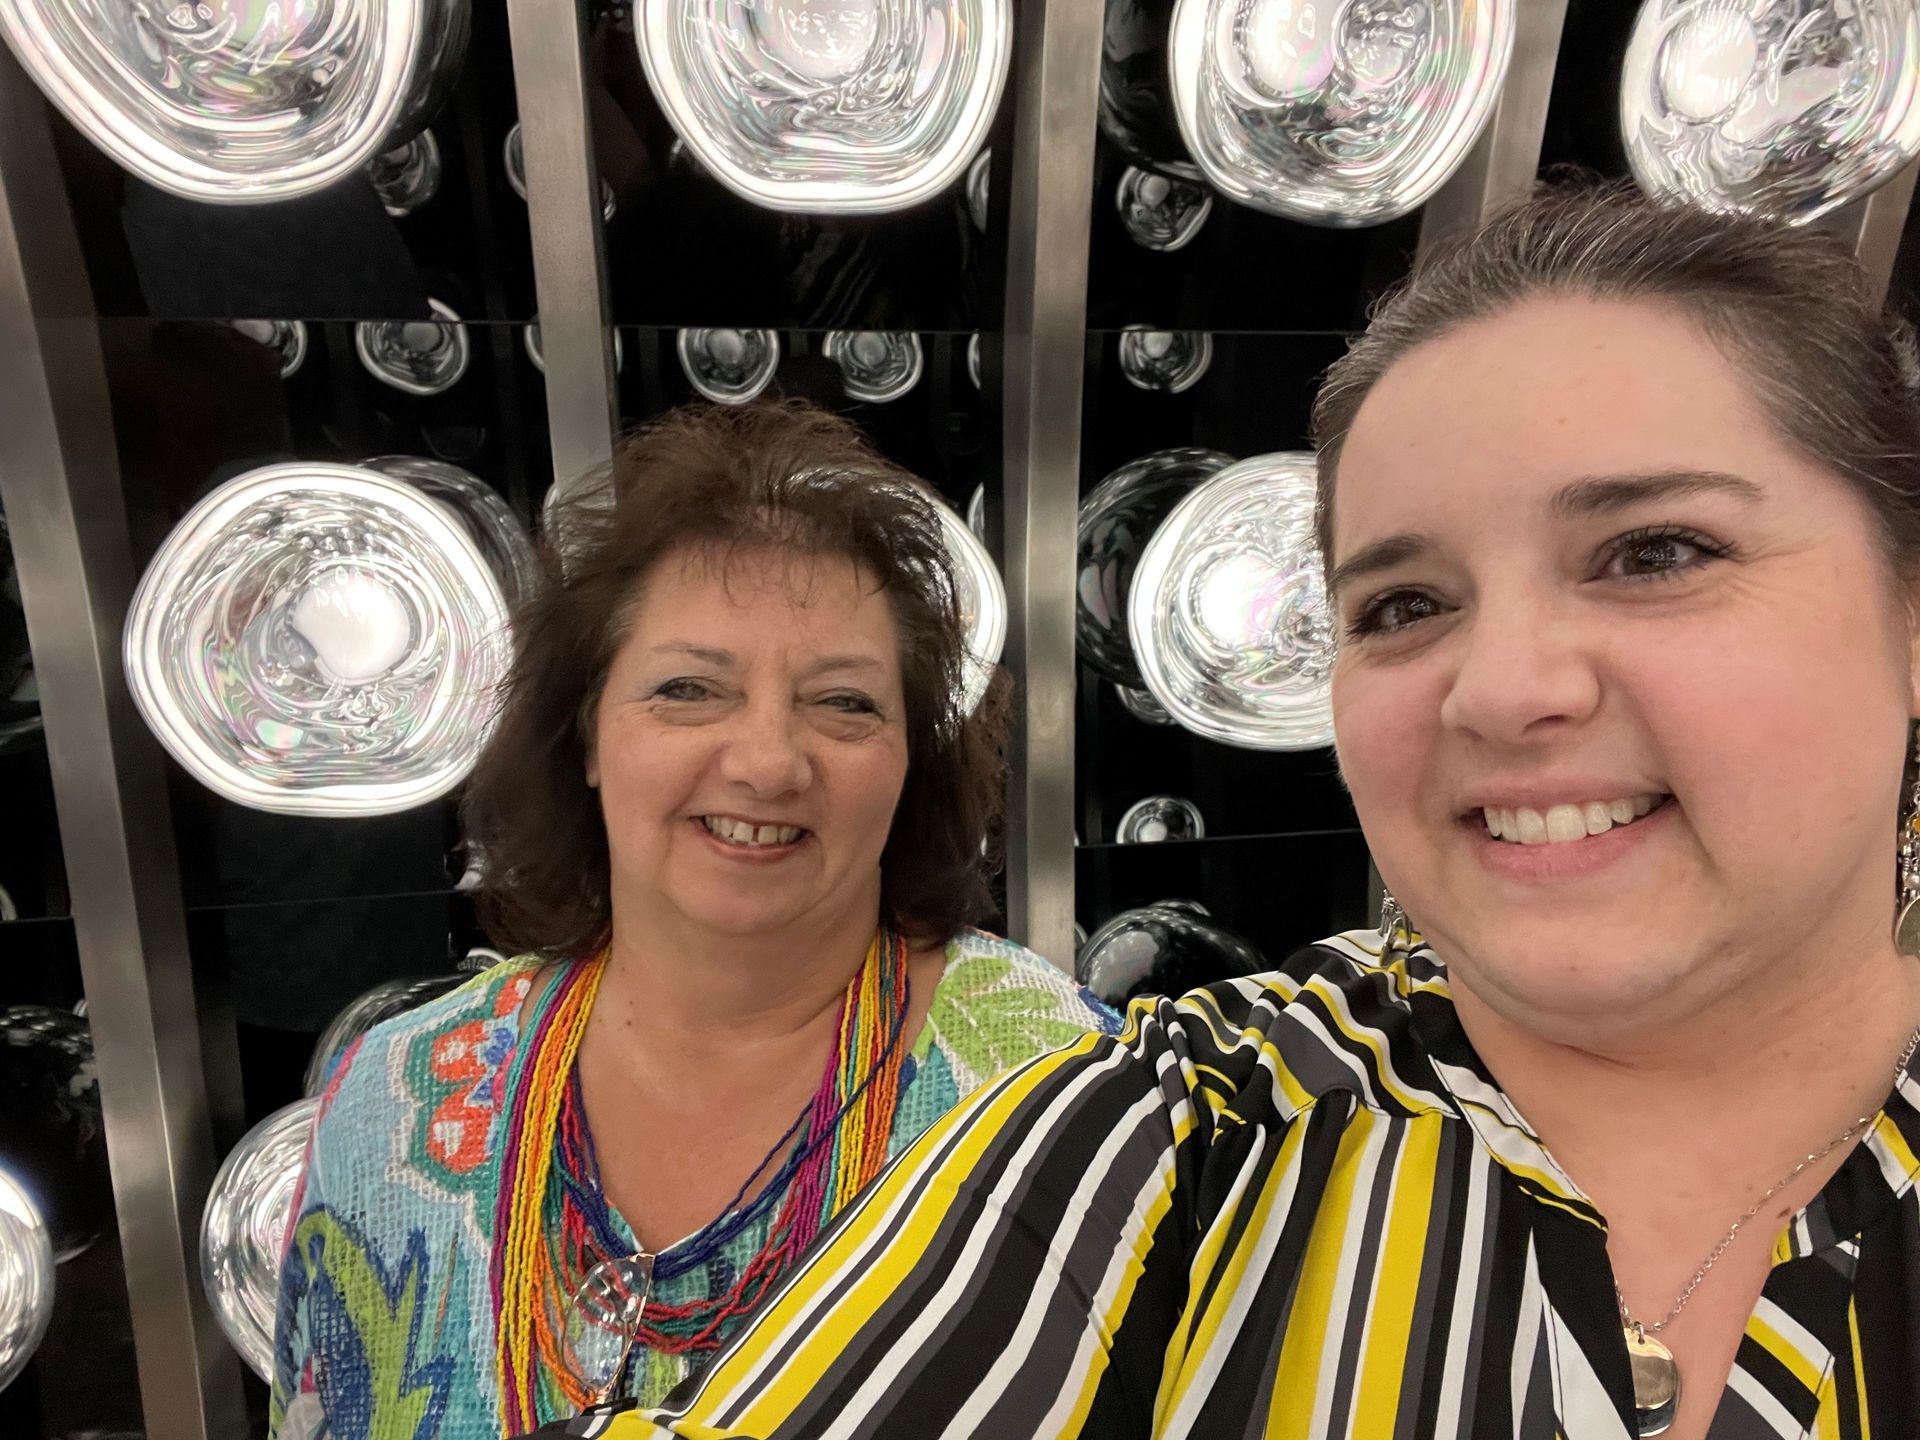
pixel 552 1222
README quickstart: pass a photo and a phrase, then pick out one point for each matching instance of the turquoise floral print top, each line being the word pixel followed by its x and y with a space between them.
pixel 386 1324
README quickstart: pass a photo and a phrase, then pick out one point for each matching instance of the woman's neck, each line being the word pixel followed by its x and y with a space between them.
pixel 1722 1102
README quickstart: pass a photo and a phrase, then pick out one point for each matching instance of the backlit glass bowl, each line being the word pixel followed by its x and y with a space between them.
pixel 225 100
pixel 286 338
pixel 1228 610
pixel 1168 360
pixel 26 1280
pixel 1784 108
pixel 729 367
pixel 1159 818
pixel 382 1002
pixel 243 1232
pixel 490 522
pixel 319 640
pixel 1336 114
pixel 826 106
pixel 408 176
pixel 421 357
pixel 1159 212
pixel 876 365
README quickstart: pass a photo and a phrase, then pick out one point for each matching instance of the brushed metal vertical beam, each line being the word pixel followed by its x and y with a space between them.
pixel 1873 227
pixel 563 207
pixel 1056 88
pixel 60 484
pixel 1504 161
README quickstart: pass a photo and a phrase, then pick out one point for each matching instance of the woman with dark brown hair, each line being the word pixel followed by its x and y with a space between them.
pixel 737 819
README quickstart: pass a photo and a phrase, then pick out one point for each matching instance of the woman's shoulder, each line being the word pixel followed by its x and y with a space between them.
pixel 422 1090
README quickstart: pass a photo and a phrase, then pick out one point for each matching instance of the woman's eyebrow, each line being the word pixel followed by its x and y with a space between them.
pixel 1606 494
pixel 704 653
pixel 1380 555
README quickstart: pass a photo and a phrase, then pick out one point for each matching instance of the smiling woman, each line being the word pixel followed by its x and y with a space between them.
pixel 1621 512
pixel 737 818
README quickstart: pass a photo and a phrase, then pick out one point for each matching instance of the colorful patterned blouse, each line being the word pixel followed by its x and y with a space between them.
pixel 386 1328
pixel 1290 1207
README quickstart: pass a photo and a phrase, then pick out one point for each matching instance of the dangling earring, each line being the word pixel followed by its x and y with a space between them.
pixel 1906 925
pixel 1396 931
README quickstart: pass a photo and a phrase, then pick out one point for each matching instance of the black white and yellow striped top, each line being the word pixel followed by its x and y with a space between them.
pixel 1294 1205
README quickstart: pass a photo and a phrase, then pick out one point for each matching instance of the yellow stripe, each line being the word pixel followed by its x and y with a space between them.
pixel 1888 1134
pixel 1296 1381
pixel 1376 1404
pixel 1785 1351
pixel 1859 1371
pixel 1372 1040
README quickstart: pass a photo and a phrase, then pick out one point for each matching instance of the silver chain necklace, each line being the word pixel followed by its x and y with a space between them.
pixel 1656 1377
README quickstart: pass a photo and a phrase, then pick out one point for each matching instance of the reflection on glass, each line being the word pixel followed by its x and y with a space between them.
pixel 54 1141
pixel 1347 114
pixel 19 694
pixel 876 365
pixel 1158 818
pixel 1228 609
pixel 233 102
pixel 407 177
pixel 977 513
pixel 495 530
pixel 26 1279
pixel 1169 360
pixel 1116 519
pixel 827 106
pixel 1142 706
pixel 530 341
pixel 244 1230
pixel 319 640
pixel 973 359
pixel 1786 109
pixel 1161 213
pixel 1166 948
pixel 978 174
pixel 286 337
pixel 730 367
pixel 421 357
pixel 513 157
pixel 982 601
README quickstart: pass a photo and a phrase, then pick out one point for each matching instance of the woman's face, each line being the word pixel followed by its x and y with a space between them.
pixel 751 743
pixel 1587 589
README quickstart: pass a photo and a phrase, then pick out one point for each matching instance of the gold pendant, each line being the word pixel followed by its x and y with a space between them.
pixel 1906 930
pixel 1656 1382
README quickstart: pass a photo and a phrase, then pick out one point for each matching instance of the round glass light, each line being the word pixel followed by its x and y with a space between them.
pixel 421 357
pixel 729 367
pixel 1783 108
pixel 1167 948
pixel 1161 213
pixel 1228 610
pixel 1330 113
pixel 844 106
pixel 26 1279
pixel 1160 818
pixel 490 523
pixel 287 338
pixel 876 365
pixel 982 598
pixel 1117 518
pixel 382 1002
pixel 1142 706
pixel 227 101
pixel 319 640
pixel 243 1232
pixel 1168 360
pixel 407 177
pixel 978 174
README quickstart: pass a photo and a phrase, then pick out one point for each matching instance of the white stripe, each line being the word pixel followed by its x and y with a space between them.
pixel 1396 1084
pixel 1818 1356
pixel 997 1381
pixel 1581 1403
pixel 1466 1301
pixel 1526 1339
pixel 1202 1369
pixel 1769 1410
pixel 1891 1166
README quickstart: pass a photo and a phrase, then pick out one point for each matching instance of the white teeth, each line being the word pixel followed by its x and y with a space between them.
pixel 1561 823
pixel 739 832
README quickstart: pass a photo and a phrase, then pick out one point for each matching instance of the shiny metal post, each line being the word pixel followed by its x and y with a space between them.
pixel 1056 84
pixel 563 205
pixel 1504 161
pixel 1874 224
pixel 60 484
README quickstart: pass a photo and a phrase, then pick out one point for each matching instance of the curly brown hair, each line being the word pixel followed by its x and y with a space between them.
pixel 774 475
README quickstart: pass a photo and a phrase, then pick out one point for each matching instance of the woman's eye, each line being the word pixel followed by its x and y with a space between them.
pixel 682 689
pixel 851 704
pixel 1651 554
pixel 1395 610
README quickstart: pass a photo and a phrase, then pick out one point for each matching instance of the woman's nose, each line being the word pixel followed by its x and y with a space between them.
pixel 766 752
pixel 1522 666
